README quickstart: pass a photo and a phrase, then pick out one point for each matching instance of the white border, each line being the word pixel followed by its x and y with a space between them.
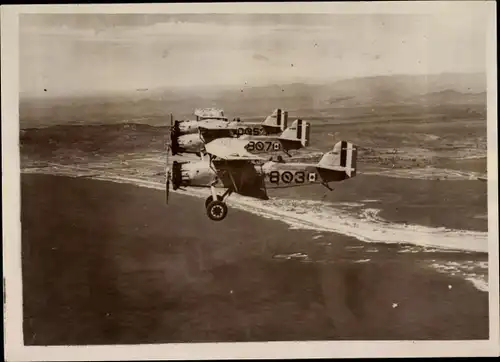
pixel 14 348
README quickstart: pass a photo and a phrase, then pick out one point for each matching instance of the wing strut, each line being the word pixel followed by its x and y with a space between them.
pixel 327 186
pixel 232 179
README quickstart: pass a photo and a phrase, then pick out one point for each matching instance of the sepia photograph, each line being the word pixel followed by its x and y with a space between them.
pixel 244 176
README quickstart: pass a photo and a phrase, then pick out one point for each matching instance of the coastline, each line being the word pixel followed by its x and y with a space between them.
pixel 364 224
pixel 474 269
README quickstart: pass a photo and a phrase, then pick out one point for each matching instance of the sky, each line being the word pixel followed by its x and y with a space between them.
pixel 83 53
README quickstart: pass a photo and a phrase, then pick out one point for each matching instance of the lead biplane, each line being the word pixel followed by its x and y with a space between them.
pixel 239 171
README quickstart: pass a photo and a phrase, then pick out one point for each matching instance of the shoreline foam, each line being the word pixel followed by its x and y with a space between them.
pixel 313 215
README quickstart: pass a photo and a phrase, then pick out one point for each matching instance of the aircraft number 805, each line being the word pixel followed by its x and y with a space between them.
pixel 287 177
pixel 263 146
pixel 256 131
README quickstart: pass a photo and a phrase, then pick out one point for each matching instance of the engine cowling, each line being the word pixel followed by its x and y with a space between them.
pixel 176 175
pixel 174 138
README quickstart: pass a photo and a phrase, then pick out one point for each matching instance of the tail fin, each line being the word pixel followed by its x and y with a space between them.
pixel 278 118
pixel 298 131
pixel 343 157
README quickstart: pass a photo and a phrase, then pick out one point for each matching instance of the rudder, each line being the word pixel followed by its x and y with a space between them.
pixel 343 156
pixel 300 130
pixel 278 118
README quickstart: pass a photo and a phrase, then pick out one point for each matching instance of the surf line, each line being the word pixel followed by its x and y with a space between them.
pixel 367 229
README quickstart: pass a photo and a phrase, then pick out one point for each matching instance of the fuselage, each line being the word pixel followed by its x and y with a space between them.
pixel 192 126
pixel 272 174
pixel 237 128
pixel 193 143
pixel 281 174
pixel 190 143
pixel 254 129
pixel 197 173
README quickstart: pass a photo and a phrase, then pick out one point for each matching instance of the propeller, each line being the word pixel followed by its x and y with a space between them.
pixel 168 175
pixel 200 133
pixel 167 185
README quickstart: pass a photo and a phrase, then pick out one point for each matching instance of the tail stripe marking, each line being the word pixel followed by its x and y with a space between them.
pixel 354 158
pixel 285 122
pixel 299 129
pixel 305 134
pixel 349 159
pixel 343 153
pixel 278 117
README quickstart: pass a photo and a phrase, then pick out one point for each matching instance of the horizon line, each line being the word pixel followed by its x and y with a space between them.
pixel 147 90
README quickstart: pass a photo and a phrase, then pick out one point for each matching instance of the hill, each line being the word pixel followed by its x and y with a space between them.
pixel 300 99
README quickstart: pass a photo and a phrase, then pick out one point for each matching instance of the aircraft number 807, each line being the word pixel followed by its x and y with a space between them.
pixel 287 177
pixel 263 146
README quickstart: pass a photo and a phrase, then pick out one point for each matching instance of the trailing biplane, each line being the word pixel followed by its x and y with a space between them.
pixel 212 119
pixel 275 123
pixel 239 171
pixel 292 138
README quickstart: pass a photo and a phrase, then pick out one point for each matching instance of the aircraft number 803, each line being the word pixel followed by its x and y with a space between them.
pixel 287 177
pixel 263 146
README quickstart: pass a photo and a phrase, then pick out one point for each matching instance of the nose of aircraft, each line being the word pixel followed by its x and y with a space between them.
pixel 181 174
pixel 174 138
pixel 176 175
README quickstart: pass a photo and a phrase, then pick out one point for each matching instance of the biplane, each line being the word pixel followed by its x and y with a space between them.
pixel 212 119
pixel 293 138
pixel 275 123
pixel 239 171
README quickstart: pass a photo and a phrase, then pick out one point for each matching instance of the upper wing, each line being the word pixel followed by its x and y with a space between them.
pixel 209 113
pixel 230 149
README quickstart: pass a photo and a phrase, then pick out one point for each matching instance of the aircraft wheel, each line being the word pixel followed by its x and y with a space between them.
pixel 210 199
pixel 217 210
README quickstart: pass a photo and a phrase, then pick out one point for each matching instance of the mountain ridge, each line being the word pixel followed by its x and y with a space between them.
pixel 304 100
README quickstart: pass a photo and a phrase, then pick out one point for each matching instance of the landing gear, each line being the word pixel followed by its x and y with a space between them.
pixel 216 206
pixel 327 186
pixel 217 210
pixel 210 199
